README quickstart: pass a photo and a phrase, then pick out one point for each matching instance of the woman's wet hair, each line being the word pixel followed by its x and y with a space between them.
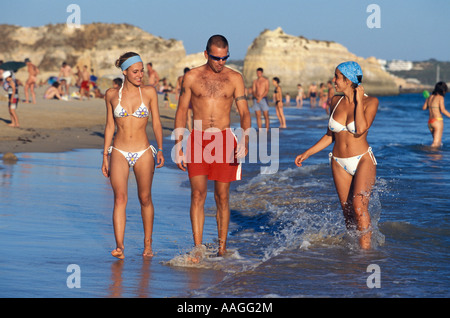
pixel 354 85
pixel 440 88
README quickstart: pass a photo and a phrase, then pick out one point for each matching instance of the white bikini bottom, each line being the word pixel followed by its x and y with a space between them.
pixel 132 157
pixel 351 164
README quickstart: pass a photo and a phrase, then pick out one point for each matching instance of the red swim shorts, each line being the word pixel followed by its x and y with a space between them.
pixel 85 85
pixel 213 154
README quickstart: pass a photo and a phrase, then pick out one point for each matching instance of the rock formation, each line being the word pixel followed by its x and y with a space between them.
pixel 297 60
pixel 96 45
pixel 293 59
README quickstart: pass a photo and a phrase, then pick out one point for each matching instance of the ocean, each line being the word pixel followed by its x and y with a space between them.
pixel 287 237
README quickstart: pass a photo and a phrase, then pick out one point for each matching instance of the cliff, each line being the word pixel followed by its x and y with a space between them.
pixel 293 59
pixel 297 60
pixel 96 45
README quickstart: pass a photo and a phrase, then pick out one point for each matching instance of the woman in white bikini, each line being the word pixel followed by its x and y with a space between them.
pixel 128 109
pixel 353 164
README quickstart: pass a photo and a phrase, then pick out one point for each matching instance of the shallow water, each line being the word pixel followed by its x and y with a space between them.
pixel 287 236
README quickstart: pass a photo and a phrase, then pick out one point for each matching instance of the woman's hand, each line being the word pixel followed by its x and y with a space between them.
pixel 105 166
pixel 160 159
pixel 300 158
pixel 359 92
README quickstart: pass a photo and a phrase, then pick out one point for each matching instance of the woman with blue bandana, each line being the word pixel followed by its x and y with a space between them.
pixel 128 108
pixel 352 162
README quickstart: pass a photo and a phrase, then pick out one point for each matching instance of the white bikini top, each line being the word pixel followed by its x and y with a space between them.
pixel 336 127
pixel 120 112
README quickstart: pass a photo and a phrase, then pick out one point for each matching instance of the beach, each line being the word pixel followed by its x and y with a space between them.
pixel 287 237
pixel 58 125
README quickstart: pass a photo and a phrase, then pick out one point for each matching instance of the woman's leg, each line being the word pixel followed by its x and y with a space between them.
pixel 363 182
pixel 283 119
pixel 144 170
pixel 437 129
pixel 277 109
pixel 119 171
pixel 343 183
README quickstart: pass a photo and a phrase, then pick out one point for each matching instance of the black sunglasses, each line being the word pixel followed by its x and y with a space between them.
pixel 216 58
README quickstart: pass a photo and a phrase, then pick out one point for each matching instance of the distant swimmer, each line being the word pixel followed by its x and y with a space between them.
pixel 352 161
pixel 436 106
pixel 128 108
pixel 300 96
pixel 211 88
pixel 312 93
pixel 260 90
pixel 278 96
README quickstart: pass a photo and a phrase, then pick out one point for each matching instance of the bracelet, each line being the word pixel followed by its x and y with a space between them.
pixel 159 149
pixel 108 151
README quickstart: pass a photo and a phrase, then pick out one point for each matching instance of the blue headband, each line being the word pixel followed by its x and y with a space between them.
pixel 130 61
pixel 352 71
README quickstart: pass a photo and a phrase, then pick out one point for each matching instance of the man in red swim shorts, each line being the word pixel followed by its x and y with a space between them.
pixel 212 151
pixel 84 88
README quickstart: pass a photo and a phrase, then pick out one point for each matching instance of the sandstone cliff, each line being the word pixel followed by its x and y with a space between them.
pixel 297 60
pixel 293 59
pixel 96 45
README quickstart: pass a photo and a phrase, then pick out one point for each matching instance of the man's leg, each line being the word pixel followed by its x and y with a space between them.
pixel 198 197
pixel 266 117
pixel 222 197
pixel 258 119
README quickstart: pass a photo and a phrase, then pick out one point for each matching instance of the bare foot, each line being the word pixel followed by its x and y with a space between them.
pixel 222 248
pixel 118 252
pixel 196 255
pixel 148 253
pixel 221 252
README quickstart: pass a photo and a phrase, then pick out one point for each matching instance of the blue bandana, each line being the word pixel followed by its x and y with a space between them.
pixel 130 61
pixel 352 71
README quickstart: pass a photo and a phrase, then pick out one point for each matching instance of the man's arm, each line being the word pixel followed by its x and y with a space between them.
pixel 180 121
pixel 244 113
pixel 266 88
pixel 183 104
pixel 254 91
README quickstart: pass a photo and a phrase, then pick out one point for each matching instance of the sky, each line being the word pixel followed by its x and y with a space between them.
pixel 413 30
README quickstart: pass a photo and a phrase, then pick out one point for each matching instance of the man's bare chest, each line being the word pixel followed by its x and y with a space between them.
pixel 207 87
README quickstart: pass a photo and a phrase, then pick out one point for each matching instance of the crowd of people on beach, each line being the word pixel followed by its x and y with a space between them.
pixel 206 96
pixel 84 81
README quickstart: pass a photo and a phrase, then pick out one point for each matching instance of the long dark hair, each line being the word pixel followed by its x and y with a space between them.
pixel 440 89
